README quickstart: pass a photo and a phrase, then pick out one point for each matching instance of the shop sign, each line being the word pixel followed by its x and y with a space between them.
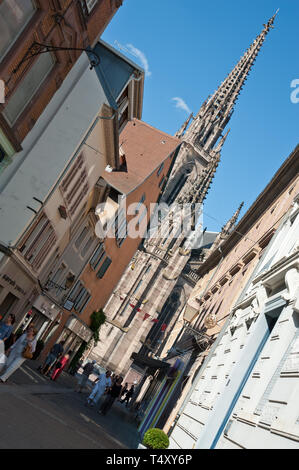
pixel 13 284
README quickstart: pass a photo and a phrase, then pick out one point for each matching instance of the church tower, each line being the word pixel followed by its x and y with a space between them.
pixel 202 141
pixel 155 287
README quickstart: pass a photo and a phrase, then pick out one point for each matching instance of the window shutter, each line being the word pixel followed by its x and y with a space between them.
pixel 101 272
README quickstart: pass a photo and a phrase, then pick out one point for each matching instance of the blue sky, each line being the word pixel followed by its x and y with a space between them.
pixel 190 46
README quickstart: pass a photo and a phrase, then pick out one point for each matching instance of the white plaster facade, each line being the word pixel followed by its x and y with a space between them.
pixel 247 392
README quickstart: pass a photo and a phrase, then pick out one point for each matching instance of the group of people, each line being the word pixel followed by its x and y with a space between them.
pixel 55 361
pixel 107 384
pixel 13 355
pixel 14 352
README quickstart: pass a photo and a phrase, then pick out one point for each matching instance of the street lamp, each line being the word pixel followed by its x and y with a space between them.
pixel 38 48
pixel 51 284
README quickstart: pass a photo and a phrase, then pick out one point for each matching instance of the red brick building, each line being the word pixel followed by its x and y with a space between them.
pixel 148 155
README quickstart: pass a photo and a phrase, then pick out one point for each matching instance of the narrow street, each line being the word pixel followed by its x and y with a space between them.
pixel 36 413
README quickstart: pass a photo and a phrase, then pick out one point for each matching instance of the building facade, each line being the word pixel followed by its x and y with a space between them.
pixel 245 302
pixel 32 79
pixel 126 195
pixel 54 187
pixel 155 287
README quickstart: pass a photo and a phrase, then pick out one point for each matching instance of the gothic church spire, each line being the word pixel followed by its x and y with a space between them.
pixel 215 113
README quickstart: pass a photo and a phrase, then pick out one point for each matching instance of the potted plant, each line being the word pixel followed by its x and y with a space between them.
pixel 154 438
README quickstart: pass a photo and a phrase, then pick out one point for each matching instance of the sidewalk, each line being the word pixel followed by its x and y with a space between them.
pixel 119 423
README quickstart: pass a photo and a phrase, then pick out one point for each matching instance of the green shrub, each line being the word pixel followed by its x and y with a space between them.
pixel 155 438
pixel 97 319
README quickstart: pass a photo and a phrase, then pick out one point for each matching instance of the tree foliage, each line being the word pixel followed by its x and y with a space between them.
pixel 97 319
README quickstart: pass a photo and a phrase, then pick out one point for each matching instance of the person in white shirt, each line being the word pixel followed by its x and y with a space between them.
pixel 16 358
pixel 98 390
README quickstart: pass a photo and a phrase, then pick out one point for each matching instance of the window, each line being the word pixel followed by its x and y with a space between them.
pixel 28 87
pixel 79 296
pixel 120 224
pixel 142 215
pixel 38 242
pixel 102 271
pixel 14 16
pixel 160 169
pixel 81 238
pixel 97 256
pixel 76 291
pixel 162 182
pixel 84 299
pixel 87 246
pixel 137 287
pixel 123 119
pixel 123 99
pixel 147 269
pixel 2 154
pixel 59 275
pixel 139 203
pixel 89 5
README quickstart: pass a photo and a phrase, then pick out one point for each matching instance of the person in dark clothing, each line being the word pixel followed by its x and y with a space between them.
pixel 87 371
pixel 55 353
pixel 113 393
pixel 124 390
pixel 128 396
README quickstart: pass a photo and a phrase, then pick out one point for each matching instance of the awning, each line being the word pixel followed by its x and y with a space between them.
pixel 46 307
pixel 142 360
pixel 80 329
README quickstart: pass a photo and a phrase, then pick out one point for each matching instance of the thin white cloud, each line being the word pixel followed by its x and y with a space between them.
pixel 130 49
pixel 180 103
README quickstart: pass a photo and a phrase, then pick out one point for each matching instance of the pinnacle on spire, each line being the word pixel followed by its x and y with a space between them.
pixel 197 190
pixel 221 142
pixel 216 112
pixel 230 225
pixel 179 134
pixel 227 229
pixel 271 21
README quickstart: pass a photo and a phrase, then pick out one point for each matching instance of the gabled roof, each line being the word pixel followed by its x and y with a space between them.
pixel 145 149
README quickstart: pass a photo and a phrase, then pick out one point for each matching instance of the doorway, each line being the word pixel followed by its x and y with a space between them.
pixel 8 305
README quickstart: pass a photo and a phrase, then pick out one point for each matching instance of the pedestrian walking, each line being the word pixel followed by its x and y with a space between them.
pixel 21 350
pixel 112 394
pixel 87 371
pixel 55 353
pixel 60 365
pixel 124 390
pixel 6 327
pixel 113 378
pixel 99 389
pixel 5 333
pixel 128 396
